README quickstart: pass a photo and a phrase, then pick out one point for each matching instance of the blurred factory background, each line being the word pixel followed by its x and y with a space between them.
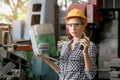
pixel 46 18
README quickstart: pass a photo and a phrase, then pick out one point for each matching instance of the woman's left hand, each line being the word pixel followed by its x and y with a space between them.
pixel 85 42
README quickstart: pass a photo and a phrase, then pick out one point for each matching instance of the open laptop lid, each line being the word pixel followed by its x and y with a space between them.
pixel 33 40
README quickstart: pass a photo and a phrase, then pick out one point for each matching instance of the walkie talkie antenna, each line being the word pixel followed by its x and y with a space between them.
pixel 90 34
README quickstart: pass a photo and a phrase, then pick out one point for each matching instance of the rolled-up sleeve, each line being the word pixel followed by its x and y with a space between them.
pixel 91 73
pixel 93 51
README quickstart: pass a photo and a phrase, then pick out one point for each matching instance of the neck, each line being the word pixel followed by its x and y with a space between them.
pixel 77 39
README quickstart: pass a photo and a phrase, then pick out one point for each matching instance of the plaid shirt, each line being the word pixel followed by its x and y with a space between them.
pixel 72 65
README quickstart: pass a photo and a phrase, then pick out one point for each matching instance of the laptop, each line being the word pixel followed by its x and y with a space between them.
pixel 35 47
pixel 33 40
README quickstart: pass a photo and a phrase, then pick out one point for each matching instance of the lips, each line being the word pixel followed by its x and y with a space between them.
pixel 74 32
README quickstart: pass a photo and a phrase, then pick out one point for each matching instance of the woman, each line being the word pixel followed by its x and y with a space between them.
pixel 78 56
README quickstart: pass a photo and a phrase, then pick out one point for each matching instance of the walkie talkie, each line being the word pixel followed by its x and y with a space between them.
pixel 81 47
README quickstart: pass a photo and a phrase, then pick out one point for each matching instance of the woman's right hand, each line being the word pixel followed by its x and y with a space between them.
pixel 39 55
pixel 50 63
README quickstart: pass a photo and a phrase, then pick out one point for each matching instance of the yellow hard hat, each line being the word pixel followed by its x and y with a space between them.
pixel 76 13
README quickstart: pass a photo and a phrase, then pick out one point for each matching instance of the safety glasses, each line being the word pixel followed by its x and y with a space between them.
pixel 74 24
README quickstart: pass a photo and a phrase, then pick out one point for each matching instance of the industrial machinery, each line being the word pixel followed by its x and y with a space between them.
pixel 115 69
pixel 14 61
pixel 17 59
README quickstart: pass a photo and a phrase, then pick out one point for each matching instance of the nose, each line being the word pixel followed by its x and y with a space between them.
pixel 73 27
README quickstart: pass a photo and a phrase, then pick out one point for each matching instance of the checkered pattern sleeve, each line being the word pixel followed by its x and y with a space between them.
pixel 72 63
pixel 93 55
